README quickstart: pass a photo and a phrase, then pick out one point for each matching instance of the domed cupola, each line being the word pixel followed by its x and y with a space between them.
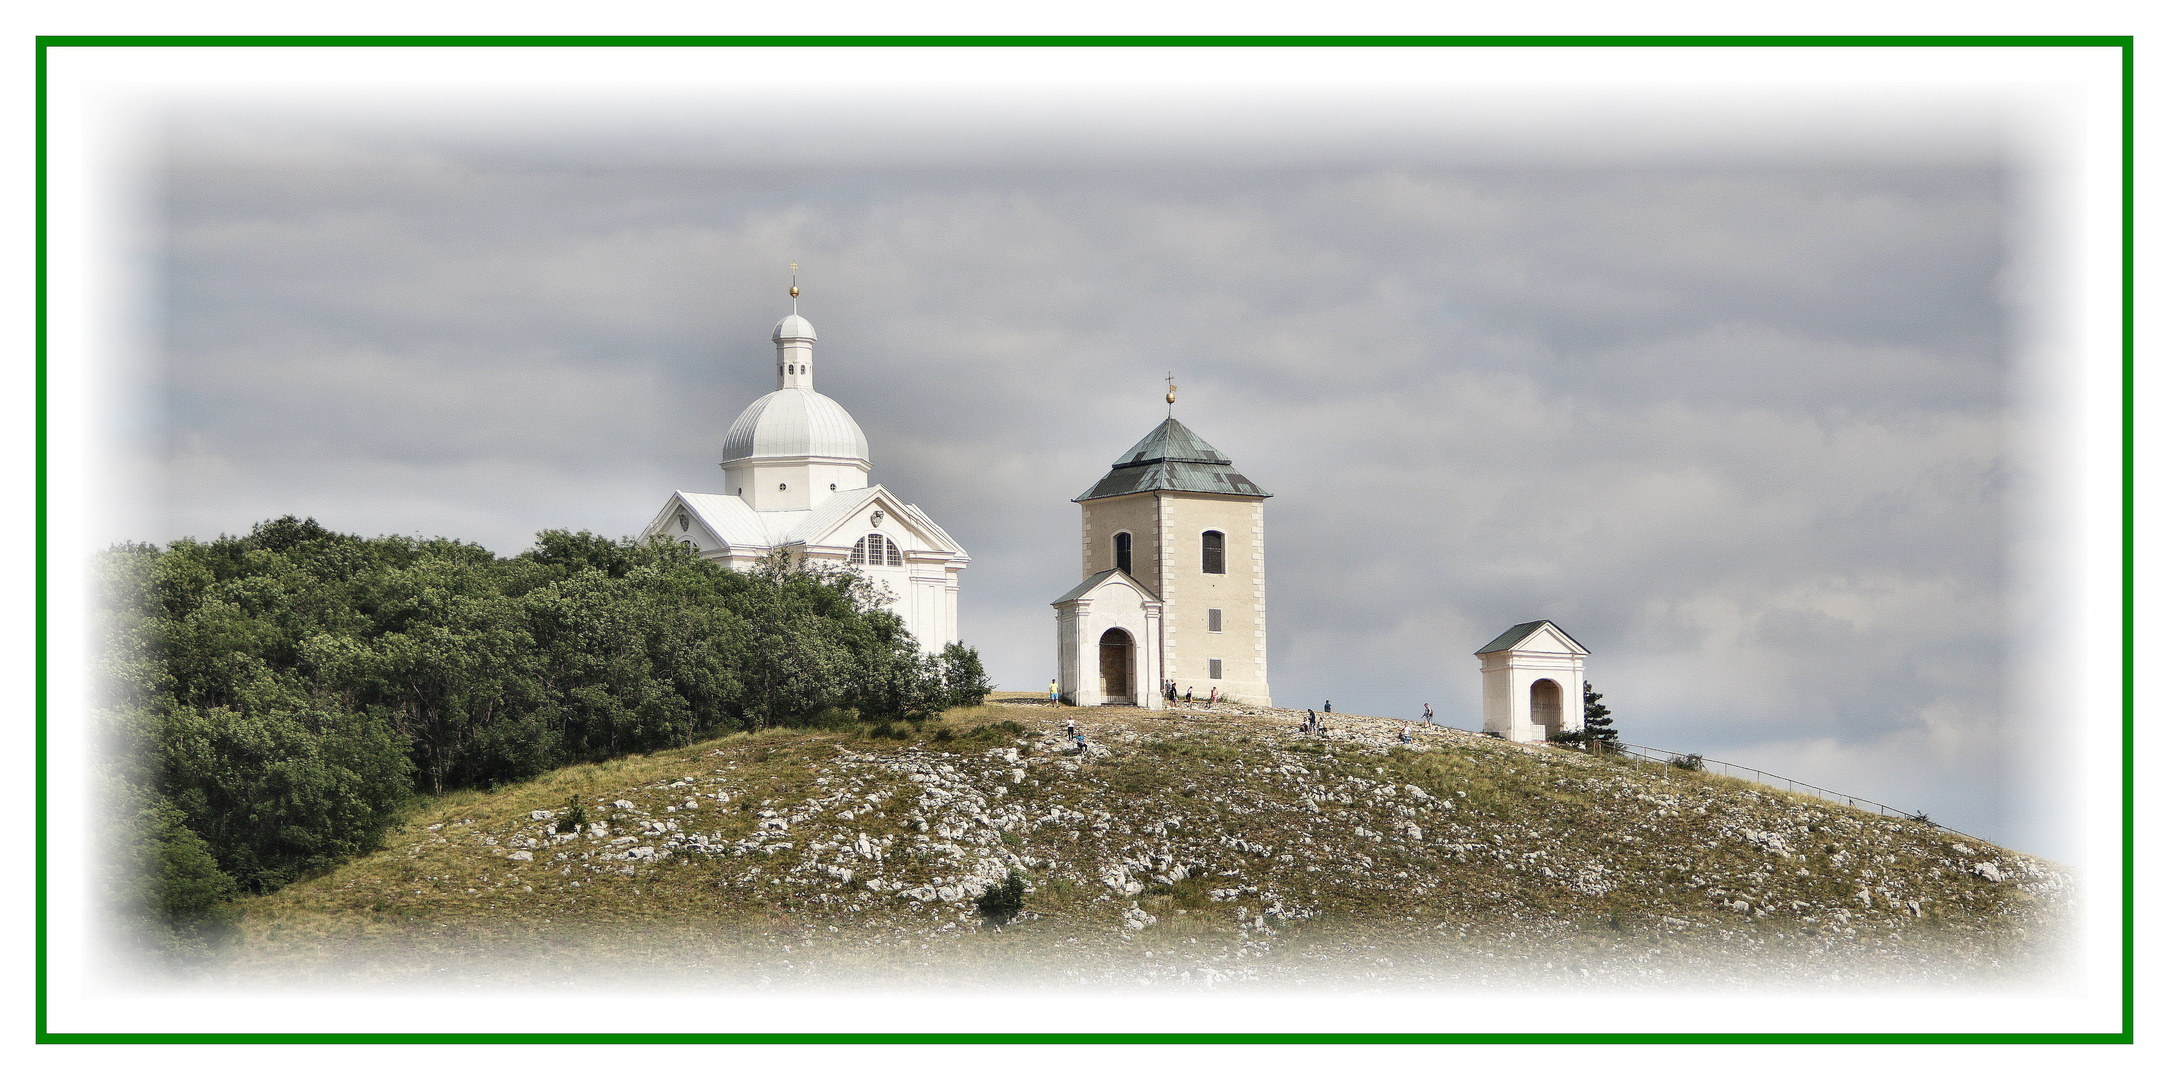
pixel 794 447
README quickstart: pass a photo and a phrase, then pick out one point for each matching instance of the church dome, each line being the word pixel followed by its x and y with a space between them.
pixel 795 422
pixel 793 327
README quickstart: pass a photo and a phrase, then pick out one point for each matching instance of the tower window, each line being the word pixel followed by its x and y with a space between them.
pixel 1216 560
pixel 1122 552
pixel 1212 619
pixel 874 549
pixel 1212 669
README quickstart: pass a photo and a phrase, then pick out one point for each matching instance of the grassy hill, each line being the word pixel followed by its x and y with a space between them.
pixel 1196 848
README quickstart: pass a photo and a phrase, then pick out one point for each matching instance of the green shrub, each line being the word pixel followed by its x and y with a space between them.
pixel 1004 899
pixel 573 819
pixel 1691 762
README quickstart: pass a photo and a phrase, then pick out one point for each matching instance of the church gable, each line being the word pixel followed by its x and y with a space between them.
pixel 681 523
pixel 714 522
pixel 842 526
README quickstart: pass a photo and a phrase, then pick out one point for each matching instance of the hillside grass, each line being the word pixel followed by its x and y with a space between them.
pixel 1287 846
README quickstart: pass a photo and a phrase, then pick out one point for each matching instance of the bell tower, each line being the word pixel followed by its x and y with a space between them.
pixel 1174 518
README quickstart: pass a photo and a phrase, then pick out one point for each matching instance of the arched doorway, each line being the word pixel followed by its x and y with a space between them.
pixel 1116 668
pixel 1544 706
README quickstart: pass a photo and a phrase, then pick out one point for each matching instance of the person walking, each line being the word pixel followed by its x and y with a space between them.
pixel 1054 693
pixel 1427 713
pixel 1189 695
pixel 1310 726
pixel 1213 698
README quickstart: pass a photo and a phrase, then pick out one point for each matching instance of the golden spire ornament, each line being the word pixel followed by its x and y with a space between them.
pixel 794 288
pixel 1170 394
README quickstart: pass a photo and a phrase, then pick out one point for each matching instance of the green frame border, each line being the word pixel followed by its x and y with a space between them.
pixel 2123 43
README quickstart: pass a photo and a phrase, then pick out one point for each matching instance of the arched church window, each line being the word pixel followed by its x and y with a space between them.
pixel 874 549
pixel 1216 560
pixel 1122 552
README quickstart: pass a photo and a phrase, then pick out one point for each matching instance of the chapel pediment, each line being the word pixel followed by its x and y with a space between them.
pixel 1539 636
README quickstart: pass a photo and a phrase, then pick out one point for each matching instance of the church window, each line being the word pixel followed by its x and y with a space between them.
pixel 1212 619
pixel 874 549
pixel 1212 669
pixel 683 524
pixel 783 487
pixel 832 487
pixel 1122 552
pixel 1216 561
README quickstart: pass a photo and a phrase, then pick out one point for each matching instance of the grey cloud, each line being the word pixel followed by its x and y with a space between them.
pixel 1742 430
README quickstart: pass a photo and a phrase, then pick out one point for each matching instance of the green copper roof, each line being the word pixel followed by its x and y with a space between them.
pixel 1173 458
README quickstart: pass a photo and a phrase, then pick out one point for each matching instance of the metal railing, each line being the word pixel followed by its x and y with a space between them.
pixel 1670 760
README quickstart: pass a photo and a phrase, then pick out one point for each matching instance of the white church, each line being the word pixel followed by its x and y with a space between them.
pixel 797 478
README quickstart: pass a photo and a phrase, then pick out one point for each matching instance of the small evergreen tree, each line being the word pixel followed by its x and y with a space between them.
pixel 1597 719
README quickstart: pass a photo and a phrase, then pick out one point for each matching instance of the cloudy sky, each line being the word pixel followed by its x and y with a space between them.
pixel 1739 418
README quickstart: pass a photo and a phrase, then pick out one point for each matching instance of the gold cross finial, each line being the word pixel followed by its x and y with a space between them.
pixel 1171 393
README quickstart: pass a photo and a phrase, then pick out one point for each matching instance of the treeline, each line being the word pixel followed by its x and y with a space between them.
pixel 276 696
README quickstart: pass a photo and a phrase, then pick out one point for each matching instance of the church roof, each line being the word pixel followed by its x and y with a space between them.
pixel 1521 632
pixel 741 527
pixel 793 327
pixel 794 422
pixel 1173 458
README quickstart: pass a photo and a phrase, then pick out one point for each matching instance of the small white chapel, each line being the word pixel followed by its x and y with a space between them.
pixel 797 477
pixel 1174 586
pixel 1532 682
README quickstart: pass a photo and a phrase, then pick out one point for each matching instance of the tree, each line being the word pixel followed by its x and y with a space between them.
pixel 963 676
pixel 1597 719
